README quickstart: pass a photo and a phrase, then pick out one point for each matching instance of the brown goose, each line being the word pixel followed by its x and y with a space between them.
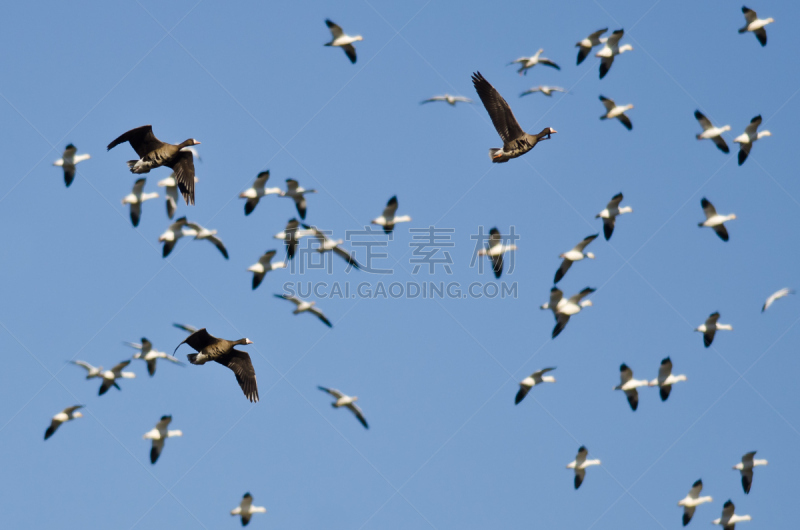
pixel 516 142
pixel 154 153
pixel 211 348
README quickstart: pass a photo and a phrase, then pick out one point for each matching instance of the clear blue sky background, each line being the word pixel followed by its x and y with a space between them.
pixel 447 448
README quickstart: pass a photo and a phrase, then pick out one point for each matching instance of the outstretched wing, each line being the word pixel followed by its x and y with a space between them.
pixel 503 119
pixel 242 367
pixel 336 31
pixel 141 139
pixel 183 165
pixel 198 340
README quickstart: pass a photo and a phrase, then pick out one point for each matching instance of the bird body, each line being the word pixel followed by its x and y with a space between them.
pixel 746 466
pixel 110 377
pixel 616 111
pixel 729 518
pixel 666 379
pixel 564 308
pixel 712 133
pixel 748 137
pixel 201 233
pixel 536 378
pixel 158 435
pixel 68 414
pixel 710 327
pixel 692 501
pixel 447 98
pixel 264 265
pixel 544 89
pixel 150 355
pixel 571 256
pixel 254 193
pixel 330 245
pixel 135 198
pixel 343 400
pixel 609 215
pixel 302 306
pixel 629 385
pixel 715 220
pixel 91 371
pixel 777 295
pixel 529 62
pixel 580 464
pixel 586 45
pixel 68 161
pixel 755 25
pixel 610 50
pixel 246 509
pixel 390 217
pixel 495 250
pixel 171 189
pixel 342 40
pixel 297 193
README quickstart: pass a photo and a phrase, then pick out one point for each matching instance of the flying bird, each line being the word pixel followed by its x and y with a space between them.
pixel 692 501
pixel 91 371
pixel 586 45
pixel 452 100
pixel 755 25
pixel 110 377
pixel 343 41
pixel 710 327
pixel 171 186
pixel 136 198
pixel 746 468
pixel 389 219
pixel 159 434
pixel 571 256
pixel 777 295
pixel 69 413
pixel 263 266
pixel 297 194
pixel 616 111
pixel 715 220
pixel 254 193
pixel 748 137
pixel 171 236
pixel 343 400
pixel 712 133
pixel 610 50
pixel 68 161
pixel 629 385
pixel 529 62
pixel 201 233
pixel 246 509
pixel 150 355
pixel 536 378
pixel 665 379
pixel 729 518
pixel 330 245
pixel 580 464
pixel 544 89
pixel 563 308
pixel 609 215
pixel 303 307
pixel 495 250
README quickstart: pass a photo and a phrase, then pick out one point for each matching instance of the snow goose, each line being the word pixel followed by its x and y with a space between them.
pixel 303 307
pixel 629 385
pixel 173 234
pixel 616 111
pixel 750 135
pixel 709 329
pixel 187 329
pixel 65 415
pixel 389 217
pixel 343 41
pixel 297 193
pixel 729 518
pixel 208 235
pixel 529 62
pixel 291 234
pixel 331 245
pixel 563 308
pixel 171 186
pixel 586 45
pixel 136 198
pixel 610 50
pixel 536 378
pixel 712 133
pixel 68 161
pixel 580 464
pixel 263 266
pixel 154 153
pixel 159 434
pixel 495 250
pixel 665 379
pixel 609 215
pixel 91 371
pixel 576 254
pixel 246 509
pixel 150 355
pixel 692 501
pixel 755 25
pixel 544 89
pixel 210 348
pixel 746 468
pixel 715 220
pixel 110 377
pixel 776 296
pixel 254 193
pixel 343 400
pixel 516 142
pixel 452 100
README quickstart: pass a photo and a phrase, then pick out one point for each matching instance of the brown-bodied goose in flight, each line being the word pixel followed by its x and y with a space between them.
pixel 68 161
pixel 210 348
pixel 516 142
pixel 154 153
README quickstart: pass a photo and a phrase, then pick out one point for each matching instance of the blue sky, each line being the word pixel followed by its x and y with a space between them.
pixel 436 378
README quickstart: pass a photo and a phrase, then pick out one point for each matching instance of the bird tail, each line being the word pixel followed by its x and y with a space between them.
pixel 131 163
pixel 192 358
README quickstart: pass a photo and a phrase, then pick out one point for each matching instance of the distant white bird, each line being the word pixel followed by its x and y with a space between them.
pixel 343 41
pixel 495 250
pixel 748 137
pixel 150 355
pixel 254 193
pixel 629 385
pixel 303 307
pixel 171 186
pixel 715 220
pixel 586 45
pixel 297 193
pixel 291 235
pixel 692 501
pixel 159 434
pixel 609 215
pixel 171 236
pixel 712 133
pixel 665 379
pixel 389 219
pixel 135 198
pixel 709 329
pixel 331 245
pixel 110 377
pixel 616 111
pixel 576 254
pixel 776 296
pixel 68 161
pixel 529 62
pixel 544 89
pixel 536 378
pixel 91 371
pixel 755 25
pixel 580 464
pixel 611 50
pixel 246 509
pixel 729 518
pixel 263 266
pixel 208 235
pixel 452 100
pixel 563 308
pixel 65 415
pixel 343 400
pixel 746 468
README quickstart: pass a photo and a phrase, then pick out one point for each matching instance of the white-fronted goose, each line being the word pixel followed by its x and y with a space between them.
pixel 159 434
pixel 171 186
pixel 629 385
pixel 136 198
pixel 563 308
pixel 331 245
pixel 710 327
pixel 712 133
pixel 187 329
pixel 746 468
pixel 297 194
pixel 173 234
pixel 666 379
pixel 150 355
pixel 516 142
pixel 777 295
pixel 586 45
pixel 529 62
pixel 246 509
pixel 729 518
pixel 263 266
pixel 715 220
pixel 580 464
pixel 209 235
pixel 610 50
pixel 91 371
pixel 110 377
pixel 343 41
pixel 494 251
pixel 303 307
pixel 536 378
pixel 544 89
pixel 343 400
pixel 210 348
pixel 748 137
pixel 576 254
pixel 692 501
pixel 154 153
pixel 389 217
pixel 68 161
pixel 609 215
pixel 254 193
pixel 755 25
pixel 65 415
pixel 451 100
pixel 616 111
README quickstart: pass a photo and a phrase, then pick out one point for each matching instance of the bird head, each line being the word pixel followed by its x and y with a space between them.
pixel 590 255
pixel 77 415
pixel 192 141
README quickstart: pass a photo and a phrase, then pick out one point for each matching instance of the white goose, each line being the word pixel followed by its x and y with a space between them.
pixel 563 308
pixel 666 379
pixel 246 509
pixel 729 518
pixel 263 266
pixel 755 25
pixel 343 41
pixel 544 89
pixel 712 133
pixel 343 400
pixel 171 236
pixel 135 198
pixel 777 295
pixel 65 415
pixel 451 100
pixel 746 468
pixel 586 45
pixel 171 186
pixel 529 62
pixel 609 215
pixel 748 137
pixel 68 161
pixel 715 220
pixel 692 501
pixel 150 355
pixel 495 250
pixel 91 371
pixel 710 327
pixel 576 254
pixel 297 194
pixel 611 50
pixel 209 235
pixel 629 385
pixel 110 377
pixel 580 464
pixel 616 111
pixel 254 193
pixel 330 245
pixel 159 434
pixel 389 219
pixel 291 235
pixel 303 307
pixel 536 378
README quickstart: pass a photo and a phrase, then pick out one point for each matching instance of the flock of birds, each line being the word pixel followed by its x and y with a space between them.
pixel 153 153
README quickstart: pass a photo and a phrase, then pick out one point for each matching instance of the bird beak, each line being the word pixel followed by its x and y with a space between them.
pixel 249 341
